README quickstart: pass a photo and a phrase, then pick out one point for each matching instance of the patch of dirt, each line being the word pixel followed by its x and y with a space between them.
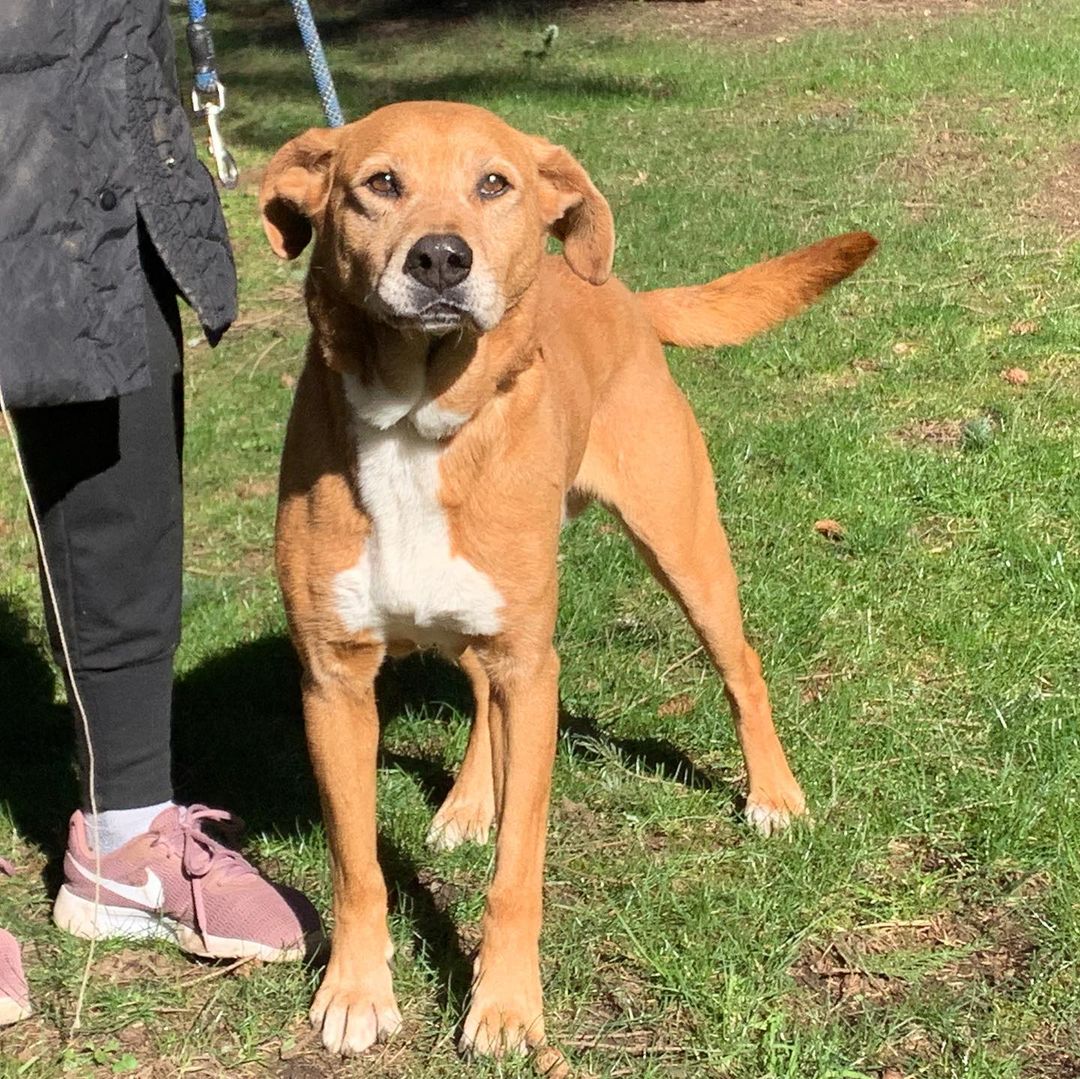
pixel 949 154
pixel 857 967
pixel 256 487
pixel 32 1039
pixel 309 1068
pixel 943 434
pixel 918 854
pixel 301 1056
pixel 720 20
pixel 710 20
pixel 1050 1054
pixel 942 533
pixel 1057 202
pixel 974 433
pixel 945 152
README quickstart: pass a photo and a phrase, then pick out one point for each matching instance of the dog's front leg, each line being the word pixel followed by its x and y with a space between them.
pixel 355 1004
pixel 506 1012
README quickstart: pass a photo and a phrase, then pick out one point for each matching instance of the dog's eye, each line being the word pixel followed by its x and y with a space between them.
pixel 383 183
pixel 493 185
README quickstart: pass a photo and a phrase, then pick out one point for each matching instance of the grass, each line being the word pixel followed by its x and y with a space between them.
pixel 923 668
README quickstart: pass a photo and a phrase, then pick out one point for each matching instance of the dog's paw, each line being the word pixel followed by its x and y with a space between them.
pixel 461 820
pixel 770 814
pixel 500 1031
pixel 506 1017
pixel 353 1017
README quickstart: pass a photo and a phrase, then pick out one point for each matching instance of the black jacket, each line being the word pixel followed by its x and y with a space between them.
pixel 92 137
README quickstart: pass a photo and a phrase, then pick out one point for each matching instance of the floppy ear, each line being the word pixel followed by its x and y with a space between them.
pixel 575 212
pixel 295 188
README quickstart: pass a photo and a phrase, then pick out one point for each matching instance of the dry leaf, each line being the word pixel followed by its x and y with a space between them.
pixel 1024 327
pixel 1016 376
pixel 551 1064
pixel 902 348
pixel 678 705
pixel 287 381
pixel 830 529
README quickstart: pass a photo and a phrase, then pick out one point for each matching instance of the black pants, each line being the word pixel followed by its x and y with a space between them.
pixel 106 479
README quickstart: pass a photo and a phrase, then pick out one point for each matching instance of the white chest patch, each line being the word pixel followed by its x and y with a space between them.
pixel 407 584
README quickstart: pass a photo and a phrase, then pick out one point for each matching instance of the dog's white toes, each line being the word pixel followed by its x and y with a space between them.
pixel 455 825
pixel 767 820
pixel 352 1022
pixel 453 834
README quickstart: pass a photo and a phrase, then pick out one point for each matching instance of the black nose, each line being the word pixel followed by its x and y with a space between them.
pixel 439 260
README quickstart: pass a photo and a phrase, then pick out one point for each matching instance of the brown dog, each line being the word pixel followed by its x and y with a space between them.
pixel 462 390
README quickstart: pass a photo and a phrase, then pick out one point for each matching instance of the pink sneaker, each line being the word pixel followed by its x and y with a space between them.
pixel 14 995
pixel 176 883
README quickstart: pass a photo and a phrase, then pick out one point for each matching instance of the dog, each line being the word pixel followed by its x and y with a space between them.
pixel 464 393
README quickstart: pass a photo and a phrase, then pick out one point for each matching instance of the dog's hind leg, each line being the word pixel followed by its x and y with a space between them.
pixel 469 809
pixel 646 460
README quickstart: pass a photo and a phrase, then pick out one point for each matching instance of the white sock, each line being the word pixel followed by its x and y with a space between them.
pixel 111 829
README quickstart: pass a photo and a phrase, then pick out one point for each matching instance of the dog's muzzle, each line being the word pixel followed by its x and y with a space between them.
pixel 435 288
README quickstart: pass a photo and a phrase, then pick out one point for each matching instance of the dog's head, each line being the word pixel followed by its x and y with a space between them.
pixel 433 216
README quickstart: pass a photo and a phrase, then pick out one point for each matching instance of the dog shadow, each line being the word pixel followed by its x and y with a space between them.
pixel 238 742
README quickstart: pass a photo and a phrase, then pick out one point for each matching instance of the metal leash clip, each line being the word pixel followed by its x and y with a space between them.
pixel 226 166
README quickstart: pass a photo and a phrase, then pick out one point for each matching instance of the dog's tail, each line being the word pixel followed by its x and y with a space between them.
pixel 731 309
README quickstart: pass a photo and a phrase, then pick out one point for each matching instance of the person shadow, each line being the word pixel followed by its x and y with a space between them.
pixel 38 784
pixel 238 743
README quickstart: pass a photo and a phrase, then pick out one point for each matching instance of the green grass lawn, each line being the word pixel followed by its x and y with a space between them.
pixel 923 667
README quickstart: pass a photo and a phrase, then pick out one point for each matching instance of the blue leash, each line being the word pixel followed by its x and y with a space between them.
pixel 208 93
pixel 317 59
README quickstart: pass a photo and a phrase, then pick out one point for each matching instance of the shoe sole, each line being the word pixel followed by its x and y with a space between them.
pixel 97 921
pixel 12 1011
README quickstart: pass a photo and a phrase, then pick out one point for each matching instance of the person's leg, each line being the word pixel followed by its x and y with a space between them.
pixel 106 479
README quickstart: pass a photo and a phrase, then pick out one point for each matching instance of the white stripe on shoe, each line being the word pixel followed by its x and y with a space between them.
pixel 150 895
